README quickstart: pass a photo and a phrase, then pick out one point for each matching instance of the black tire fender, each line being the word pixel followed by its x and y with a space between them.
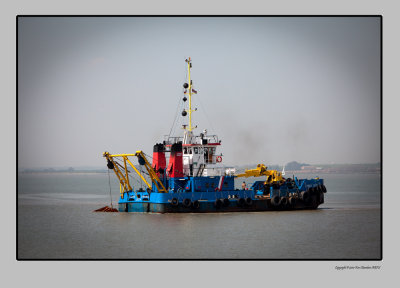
pixel 249 201
pixel 275 200
pixel 186 202
pixel 196 204
pixel 225 202
pixel 305 196
pixel 174 202
pixel 321 197
pixel 218 203
pixel 241 202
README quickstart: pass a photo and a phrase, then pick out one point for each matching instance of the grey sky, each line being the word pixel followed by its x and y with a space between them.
pixel 274 89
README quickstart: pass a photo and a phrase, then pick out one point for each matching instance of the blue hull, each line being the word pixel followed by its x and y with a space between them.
pixel 309 196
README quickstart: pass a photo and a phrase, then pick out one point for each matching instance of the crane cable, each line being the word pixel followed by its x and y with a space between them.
pixel 106 208
pixel 109 184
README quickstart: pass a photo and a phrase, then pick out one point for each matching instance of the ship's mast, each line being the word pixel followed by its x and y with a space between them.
pixel 190 95
pixel 189 87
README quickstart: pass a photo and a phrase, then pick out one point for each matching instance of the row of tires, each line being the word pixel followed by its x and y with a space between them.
pixel 241 202
pixel 305 197
pixel 283 201
pixel 186 203
pixel 316 192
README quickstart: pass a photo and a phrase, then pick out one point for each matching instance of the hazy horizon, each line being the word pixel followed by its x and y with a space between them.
pixel 274 89
pixel 89 167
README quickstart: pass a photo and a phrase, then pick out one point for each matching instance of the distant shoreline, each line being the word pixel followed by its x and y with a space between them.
pixel 316 172
pixel 62 172
pixel 372 168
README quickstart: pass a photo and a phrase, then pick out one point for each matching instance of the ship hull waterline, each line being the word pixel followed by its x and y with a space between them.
pixel 215 206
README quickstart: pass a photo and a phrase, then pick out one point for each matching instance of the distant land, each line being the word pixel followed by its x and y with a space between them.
pixel 298 168
pixel 291 167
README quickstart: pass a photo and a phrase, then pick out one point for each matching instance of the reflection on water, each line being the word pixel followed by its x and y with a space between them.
pixel 55 220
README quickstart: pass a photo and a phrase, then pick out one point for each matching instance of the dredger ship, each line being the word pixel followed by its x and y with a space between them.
pixel 185 175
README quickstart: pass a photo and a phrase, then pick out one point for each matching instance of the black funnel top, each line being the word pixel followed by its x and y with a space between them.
pixel 159 147
pixel 176 147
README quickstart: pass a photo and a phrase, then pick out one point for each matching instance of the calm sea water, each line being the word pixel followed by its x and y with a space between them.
pixel 55 220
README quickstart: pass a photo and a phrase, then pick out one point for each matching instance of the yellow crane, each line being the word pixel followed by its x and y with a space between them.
pixel 122 171
pixel 273 176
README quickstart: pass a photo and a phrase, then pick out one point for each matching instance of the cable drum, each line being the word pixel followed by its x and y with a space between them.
pixel 141 160
pixel 110 165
